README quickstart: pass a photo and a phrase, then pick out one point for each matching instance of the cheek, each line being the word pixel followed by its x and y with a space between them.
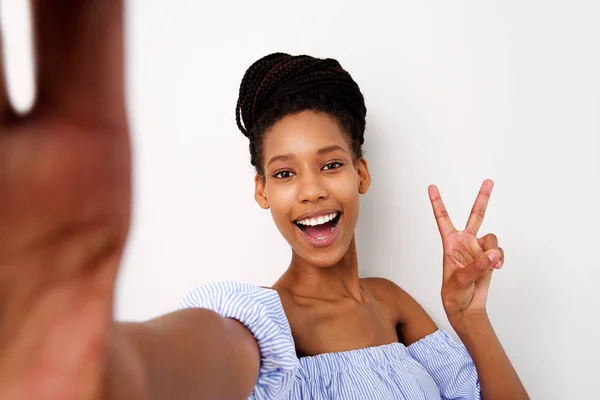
pixel 345 189
pixel 281 200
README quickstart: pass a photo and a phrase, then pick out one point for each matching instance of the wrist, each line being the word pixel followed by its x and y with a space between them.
pixel 465 321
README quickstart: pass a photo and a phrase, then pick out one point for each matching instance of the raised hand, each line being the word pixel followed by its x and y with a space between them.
pixel 468 260
pixel 64 205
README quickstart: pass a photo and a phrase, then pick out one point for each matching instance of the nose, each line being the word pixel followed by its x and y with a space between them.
pixel 311 189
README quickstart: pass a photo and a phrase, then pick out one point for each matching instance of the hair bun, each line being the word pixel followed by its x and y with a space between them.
pixel 280 75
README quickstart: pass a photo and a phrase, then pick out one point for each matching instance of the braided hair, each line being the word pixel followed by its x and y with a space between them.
pixel 280 84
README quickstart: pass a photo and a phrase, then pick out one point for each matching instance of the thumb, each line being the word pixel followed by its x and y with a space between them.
pixel 465 277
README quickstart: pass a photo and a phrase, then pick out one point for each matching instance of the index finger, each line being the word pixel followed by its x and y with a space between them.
pixel 442 217
pixel 480 206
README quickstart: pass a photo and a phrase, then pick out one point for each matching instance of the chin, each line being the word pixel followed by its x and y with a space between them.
pixel 324 257
pixel 322 261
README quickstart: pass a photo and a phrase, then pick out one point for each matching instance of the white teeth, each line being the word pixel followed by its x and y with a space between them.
pixel 317 221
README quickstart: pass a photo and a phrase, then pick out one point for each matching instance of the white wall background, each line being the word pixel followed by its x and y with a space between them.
pixel 456 91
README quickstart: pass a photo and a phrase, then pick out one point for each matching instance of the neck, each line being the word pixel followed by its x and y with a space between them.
pixel 338 281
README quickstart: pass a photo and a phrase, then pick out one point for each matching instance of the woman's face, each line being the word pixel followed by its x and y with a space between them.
pixel 312 185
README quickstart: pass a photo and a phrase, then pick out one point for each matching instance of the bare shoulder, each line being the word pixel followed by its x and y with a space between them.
pixel 387 291
pixel 415 323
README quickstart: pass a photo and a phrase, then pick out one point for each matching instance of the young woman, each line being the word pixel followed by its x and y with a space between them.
pixel 319 332
pixel 322 331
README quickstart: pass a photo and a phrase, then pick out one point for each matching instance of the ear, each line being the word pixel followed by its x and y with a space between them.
pixel 259 191
pixel 364 177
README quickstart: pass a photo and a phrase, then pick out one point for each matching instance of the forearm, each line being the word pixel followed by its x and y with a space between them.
pixel 199 355
pixel 497 377
pixel 124 376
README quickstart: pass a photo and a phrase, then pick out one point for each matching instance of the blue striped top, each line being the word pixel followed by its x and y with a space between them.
pixel 435 367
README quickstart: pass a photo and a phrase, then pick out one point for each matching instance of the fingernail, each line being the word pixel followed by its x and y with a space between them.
pixel 494 256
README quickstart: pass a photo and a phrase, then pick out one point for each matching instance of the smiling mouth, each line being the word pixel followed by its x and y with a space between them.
pixel 319 229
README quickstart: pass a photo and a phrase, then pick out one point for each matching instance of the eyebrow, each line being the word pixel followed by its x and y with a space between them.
pixel 321 151
pixel 283 157
pixel 330 149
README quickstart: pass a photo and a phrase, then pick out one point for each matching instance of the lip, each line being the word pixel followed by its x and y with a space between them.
pixel 316 214
pixel 321 243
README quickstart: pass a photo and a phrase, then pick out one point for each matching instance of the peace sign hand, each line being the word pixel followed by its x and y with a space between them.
pixel 468 260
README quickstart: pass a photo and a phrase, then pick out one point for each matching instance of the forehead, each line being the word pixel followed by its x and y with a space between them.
pixel 304 132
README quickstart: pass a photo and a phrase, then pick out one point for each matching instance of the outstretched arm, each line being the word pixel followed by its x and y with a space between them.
pixel 64 220
pixel 189 354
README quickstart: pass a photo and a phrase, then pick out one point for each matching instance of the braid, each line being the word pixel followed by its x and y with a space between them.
pixel 280 84
pixel 249 86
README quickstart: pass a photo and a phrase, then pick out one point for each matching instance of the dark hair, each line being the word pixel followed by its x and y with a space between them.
pixel 280 84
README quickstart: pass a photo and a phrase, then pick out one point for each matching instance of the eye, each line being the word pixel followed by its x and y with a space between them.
pixel 332 165
pixel 283 174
